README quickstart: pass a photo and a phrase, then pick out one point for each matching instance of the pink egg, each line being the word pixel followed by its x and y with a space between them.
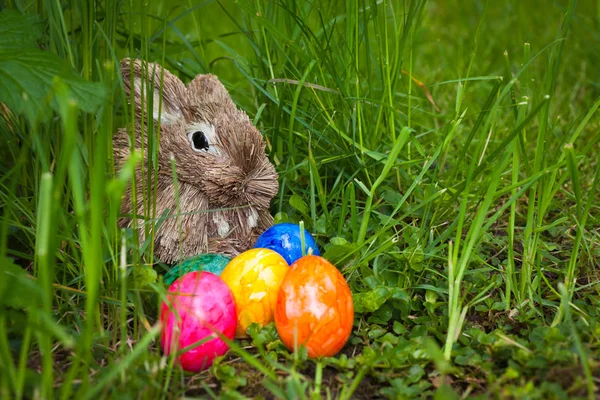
pixel 197 305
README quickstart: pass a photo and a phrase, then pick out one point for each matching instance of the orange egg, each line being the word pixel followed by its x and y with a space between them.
pixel 254 278
pixel 314 307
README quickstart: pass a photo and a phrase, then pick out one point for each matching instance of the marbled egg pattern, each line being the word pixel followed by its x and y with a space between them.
pixel 254 278
pixel 209 262
pixel 197 304
pixel 284 238
pixel 314 307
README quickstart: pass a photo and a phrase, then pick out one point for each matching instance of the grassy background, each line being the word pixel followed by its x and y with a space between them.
pixel 469 235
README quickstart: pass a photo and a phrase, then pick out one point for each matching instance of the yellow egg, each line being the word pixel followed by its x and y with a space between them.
pixel 254 278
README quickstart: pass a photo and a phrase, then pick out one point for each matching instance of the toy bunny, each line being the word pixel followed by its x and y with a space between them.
pixel 225 180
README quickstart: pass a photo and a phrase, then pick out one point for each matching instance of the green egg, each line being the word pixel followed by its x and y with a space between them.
pixel 214 263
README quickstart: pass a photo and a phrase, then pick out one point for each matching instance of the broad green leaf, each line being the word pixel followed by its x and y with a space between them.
pixel 445 392
pixel 26 81
pixel 27 76
pixel 338 240
pixel 399 329
pixel 414 256
pixel 17 288
pixel 19 31
pixel 373 299
pixel 299 204
pixel 337 253
pixel 144 275
pixel 415 373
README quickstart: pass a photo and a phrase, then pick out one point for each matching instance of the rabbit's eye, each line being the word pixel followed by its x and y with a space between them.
pixel 199 141
pixel 202 137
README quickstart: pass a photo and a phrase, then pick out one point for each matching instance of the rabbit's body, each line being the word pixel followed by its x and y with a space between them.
pixel 224 179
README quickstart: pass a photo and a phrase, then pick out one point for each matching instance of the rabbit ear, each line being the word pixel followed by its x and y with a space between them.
pixel 142 77
pixel 207 88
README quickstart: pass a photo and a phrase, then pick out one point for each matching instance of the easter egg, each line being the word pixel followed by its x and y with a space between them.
pixel 196 305
pixel 254 278
pixel 214 263
pixel 284 238
pixel 314 308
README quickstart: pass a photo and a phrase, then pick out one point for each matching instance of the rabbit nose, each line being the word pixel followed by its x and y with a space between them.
pixel 223 186
pixel 261 184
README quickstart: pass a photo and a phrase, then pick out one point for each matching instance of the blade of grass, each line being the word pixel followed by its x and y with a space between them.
pixel 535 212
pixel 45 271
pixel 581 216
pixel 458 266
pixel 401 140
pixel 113 371
pixel 565 295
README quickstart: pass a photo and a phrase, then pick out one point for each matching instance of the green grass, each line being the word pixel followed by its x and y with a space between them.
pixel 469 235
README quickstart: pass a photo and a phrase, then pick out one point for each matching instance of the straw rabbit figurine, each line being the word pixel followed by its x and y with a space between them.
pixel 225 180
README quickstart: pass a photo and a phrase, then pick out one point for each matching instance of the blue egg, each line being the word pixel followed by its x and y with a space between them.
pixel 284 238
